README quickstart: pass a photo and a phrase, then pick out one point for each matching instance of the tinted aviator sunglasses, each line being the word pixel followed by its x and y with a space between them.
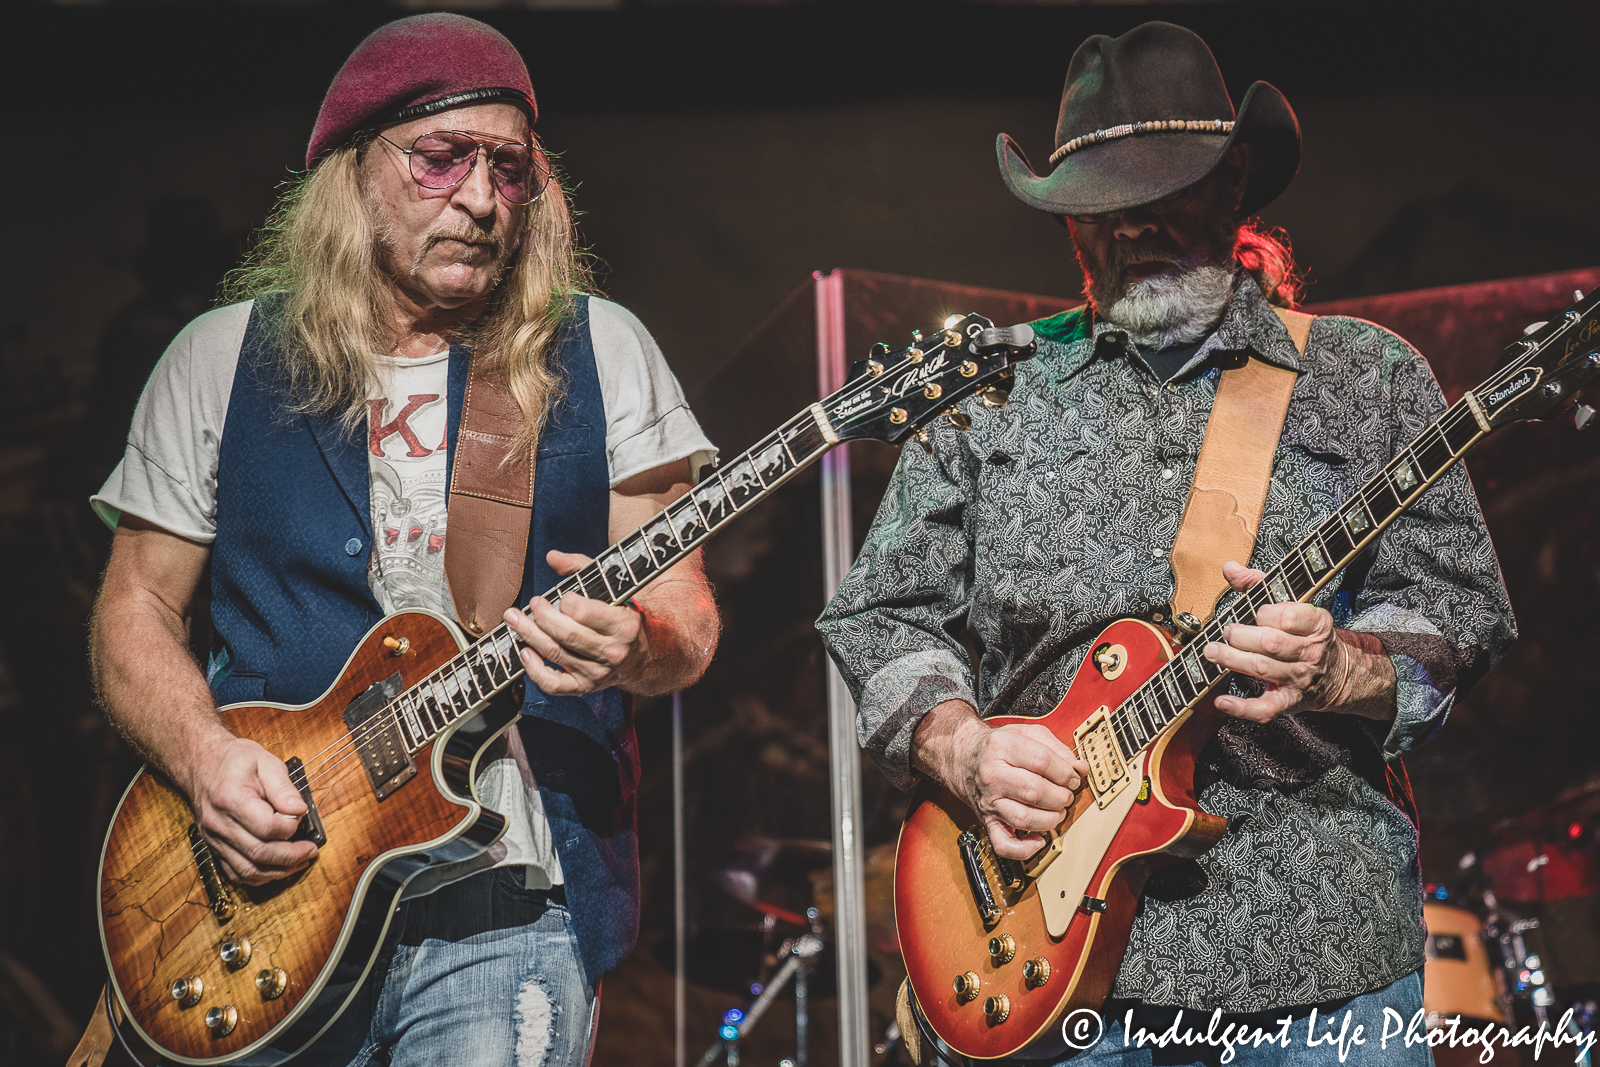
pixel 444 158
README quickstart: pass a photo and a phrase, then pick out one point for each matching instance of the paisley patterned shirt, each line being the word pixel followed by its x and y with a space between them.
pixel 1056 514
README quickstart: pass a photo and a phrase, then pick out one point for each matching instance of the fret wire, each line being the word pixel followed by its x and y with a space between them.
pixel 433 705
pixel 1180 677
pixel 1158 709
pixel 409 736
pixel 760 447
pixel 1124 741
pixel 1144 728
pixel 783 439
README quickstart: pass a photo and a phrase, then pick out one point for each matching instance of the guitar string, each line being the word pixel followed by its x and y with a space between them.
pixel 337 753
pixel 1448 421
pixel 1453 418
pixel 492 643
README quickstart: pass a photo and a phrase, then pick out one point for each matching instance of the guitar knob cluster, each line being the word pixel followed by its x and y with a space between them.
pixel 997 1009
pixel 967 985
pixel 271 983
pixel 1002 949
pixel 188 991
pixel 221 1021
pixel 1036 972
pixel 235 953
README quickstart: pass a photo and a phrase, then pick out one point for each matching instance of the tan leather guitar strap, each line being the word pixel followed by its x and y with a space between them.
pixel 1223 512
pixel 491 504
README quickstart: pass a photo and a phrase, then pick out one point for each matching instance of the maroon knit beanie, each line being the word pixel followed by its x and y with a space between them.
pixel 417 66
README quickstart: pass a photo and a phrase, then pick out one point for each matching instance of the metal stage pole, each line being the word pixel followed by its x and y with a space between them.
pixel 850 924
pixel 680 915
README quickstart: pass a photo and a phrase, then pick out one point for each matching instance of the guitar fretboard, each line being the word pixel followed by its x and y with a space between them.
pixel 1164 696
pixel 492 663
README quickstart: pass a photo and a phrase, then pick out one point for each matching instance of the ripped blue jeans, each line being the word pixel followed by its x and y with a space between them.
pixel 483 972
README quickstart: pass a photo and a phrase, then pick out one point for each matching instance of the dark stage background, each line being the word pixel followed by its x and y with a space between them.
pixel 719 153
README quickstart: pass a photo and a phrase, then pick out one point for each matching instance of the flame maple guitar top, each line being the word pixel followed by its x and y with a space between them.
pixel 155 916
pixel 943 934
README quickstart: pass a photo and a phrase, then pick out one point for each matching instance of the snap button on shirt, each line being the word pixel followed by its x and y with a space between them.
pixel 352 546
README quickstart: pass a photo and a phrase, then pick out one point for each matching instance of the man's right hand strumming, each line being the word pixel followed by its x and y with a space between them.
pixel 247 809
pixel 1019 778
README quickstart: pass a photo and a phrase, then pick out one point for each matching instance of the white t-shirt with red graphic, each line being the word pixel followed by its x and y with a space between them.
pixel 168 476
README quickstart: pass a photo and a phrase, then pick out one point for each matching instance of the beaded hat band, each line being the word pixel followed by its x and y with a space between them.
pixel 1129 129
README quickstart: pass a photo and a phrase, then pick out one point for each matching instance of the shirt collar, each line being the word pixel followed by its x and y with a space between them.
pixel 1248 325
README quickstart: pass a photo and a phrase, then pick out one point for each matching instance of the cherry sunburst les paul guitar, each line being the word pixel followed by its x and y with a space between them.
pixel 204 971
pixel 1000 952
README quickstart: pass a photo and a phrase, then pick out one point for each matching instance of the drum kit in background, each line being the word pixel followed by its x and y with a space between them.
pixel 1515 942
pixel 788 949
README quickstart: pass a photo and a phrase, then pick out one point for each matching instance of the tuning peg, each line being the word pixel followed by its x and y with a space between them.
pixel 922 438
pixel 1577 295
pixel 916 336
pixel 1582 416
pixel 994 396
pixel 1534 327
pixel 957 418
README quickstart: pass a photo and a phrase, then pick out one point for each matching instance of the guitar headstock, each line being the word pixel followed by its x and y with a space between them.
pixel 1543 370
pixel 891 395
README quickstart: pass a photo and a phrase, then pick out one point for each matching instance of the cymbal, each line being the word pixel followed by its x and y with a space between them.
pixel 772 875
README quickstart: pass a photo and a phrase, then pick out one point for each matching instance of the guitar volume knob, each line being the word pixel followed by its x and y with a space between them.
pixel 235 952
pixel 997 1009
pixel 1036 972
pixel 966 986
pixel 221 1021
pixel 272 982
pixel 1002 949
pixel 188 991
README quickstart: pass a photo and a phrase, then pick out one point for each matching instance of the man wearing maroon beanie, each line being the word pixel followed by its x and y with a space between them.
pixel 302 451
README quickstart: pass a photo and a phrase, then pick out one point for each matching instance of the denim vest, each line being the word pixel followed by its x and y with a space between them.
pixel 290 599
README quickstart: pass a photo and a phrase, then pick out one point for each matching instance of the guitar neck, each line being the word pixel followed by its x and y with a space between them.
pixel 492 663
pixel 1301 574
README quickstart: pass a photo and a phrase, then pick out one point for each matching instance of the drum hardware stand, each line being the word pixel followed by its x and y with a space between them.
pixel 801 954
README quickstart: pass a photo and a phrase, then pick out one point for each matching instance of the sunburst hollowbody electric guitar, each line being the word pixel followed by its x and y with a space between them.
pixel 204 971
pixel 1000 952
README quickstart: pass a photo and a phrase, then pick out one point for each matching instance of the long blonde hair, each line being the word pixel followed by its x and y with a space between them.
pixel 319 249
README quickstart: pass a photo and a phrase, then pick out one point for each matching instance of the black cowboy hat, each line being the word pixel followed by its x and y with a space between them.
pixel 1146 114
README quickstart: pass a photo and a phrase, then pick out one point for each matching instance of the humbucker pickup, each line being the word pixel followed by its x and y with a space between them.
pixel 383 751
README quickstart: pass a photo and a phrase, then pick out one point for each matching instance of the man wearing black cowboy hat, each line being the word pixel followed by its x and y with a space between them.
pixel 1063 511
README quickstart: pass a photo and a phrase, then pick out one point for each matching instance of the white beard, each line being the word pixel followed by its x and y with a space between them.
pixel 1179 306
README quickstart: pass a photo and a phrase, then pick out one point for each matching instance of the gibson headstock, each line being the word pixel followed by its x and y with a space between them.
pixel 1542 371
pixel 891 395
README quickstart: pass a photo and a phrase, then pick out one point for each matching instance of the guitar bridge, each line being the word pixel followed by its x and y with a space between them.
pixel 383 751
pixel 972 859
pixel 218 892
